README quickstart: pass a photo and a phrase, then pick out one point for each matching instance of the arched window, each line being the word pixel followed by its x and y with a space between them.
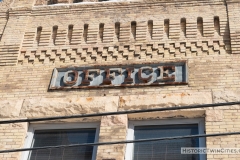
pixel 217 25
pixel 52 2
pixel 183 26
pixel 70 31
pixel 77 1
pixel 166 27
pixel 54 33
pixel 85 32
pixel 200 25
pixel 134 28
pixel 101 30
pixel 117 30
pixel 39 31
pixel 150 28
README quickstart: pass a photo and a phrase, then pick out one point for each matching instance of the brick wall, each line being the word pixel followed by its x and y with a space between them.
pixel 12 136
pixel 233 11
pixel 204 33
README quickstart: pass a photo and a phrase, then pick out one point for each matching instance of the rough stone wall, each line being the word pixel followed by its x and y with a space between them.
pixel 27 65
pixel 5 5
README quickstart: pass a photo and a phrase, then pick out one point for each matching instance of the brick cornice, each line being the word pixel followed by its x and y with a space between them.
pixel 121 4
pixel 232 1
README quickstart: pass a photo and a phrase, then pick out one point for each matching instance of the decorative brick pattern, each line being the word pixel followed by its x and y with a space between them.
pixel 8 54
pixel 10 44
pixel 138 52
pixel 110 47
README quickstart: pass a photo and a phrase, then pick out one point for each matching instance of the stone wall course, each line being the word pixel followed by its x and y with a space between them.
pixel 40 107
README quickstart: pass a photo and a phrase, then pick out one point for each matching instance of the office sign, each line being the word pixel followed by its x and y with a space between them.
pixel 157 74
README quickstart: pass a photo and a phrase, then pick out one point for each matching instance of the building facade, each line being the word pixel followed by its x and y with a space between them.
pixel 65 57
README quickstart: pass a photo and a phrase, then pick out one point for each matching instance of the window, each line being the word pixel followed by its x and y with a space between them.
pixel 117 30
pixel 85 32
pixel 134 28
pixel 77 1
pixel 39 31
pixel 54 33
pixel 217 25
pixel 200 26
pixel 166 27
pixel 168 149
pixel 101 30
pixel 62 134
pixel 52 2
pixel 183 26
pixel 150 28
pixel 70 32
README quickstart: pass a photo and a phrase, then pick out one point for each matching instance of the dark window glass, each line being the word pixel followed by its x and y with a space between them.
pixel 63 137
pixel 168 149
pixel 52 2
pixel 77 1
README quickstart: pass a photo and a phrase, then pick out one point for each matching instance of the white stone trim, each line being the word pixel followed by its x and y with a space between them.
pixel 82 3
pixel 33 127
pixel 132 124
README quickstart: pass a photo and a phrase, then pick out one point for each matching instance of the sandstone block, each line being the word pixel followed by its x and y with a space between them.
pixel 164 100
pixel 40 107
pixel 167 115
pixel 226 96
pixel 10 108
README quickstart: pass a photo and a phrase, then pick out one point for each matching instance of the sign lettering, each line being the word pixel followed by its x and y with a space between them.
pixel 116 76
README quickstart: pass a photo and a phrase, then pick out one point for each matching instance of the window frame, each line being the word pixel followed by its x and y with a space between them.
pixel 132 124
pixel 33 127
